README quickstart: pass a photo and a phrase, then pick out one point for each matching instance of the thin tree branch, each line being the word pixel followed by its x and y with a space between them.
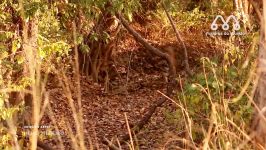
pixel 257 9
pixel 149 47
pixel 179 38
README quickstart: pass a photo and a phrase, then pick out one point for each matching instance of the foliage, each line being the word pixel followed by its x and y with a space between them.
pixel 209 96
pixel 184 19
pixel 55 40
pixel 192 18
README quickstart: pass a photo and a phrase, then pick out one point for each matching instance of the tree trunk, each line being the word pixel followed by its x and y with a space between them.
pixel 97 62
pixel 32 101
pixel 259 121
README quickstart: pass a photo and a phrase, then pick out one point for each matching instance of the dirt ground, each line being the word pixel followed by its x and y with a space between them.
pixel 133 87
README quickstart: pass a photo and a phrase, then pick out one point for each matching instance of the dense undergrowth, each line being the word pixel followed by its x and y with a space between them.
pixel 213 107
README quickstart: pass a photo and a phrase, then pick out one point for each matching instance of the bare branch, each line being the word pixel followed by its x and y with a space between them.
pixel 179 38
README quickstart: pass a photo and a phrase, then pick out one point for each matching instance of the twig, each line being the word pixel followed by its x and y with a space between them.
pixel 110 144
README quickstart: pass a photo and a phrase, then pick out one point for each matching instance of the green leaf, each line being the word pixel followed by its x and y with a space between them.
pixel 15 45
pixel 94 37
pixel 84 48
pixel 215 85
pixel 20 59
pixel 129 16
